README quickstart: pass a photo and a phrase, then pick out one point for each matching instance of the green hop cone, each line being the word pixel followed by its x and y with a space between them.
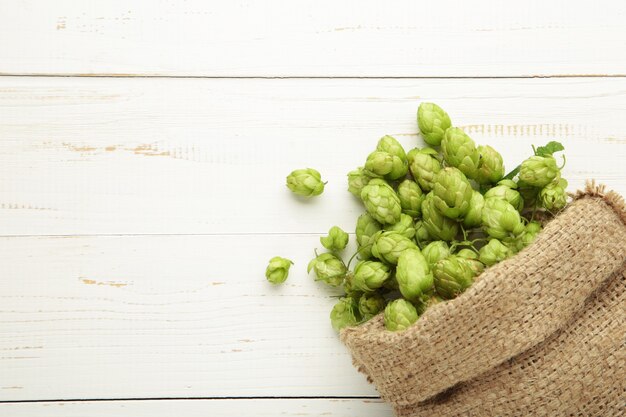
pixel 399 315
pixel 306 182
pixel 507 190
pixel 530 233
pixel 357 179
pixel 348 286
pixel 453 275
pixel 414 276
pixel 438 226
pixel 411 196
pixel 378 164
pixel 452 193
pixel 421 234
pixel 381 202
pixel 278 270
pixel 539 171
pixel 366 229
pixel 410 155
pixel 328 269
pixel 405 226
pixel 491 167
pixel 370 275
pixel 436 251
pixel 553 196
pixel 370 305
pixel 432 121
pixel 390 245
pixel 388 160
pixel 459 150
pixel 467 254
pixel 424 166
pixel 501 220
pixel 473 217
pixel 345 313
pixel 390 145
pixel 475 265
pixel 494 252
pixel 336 240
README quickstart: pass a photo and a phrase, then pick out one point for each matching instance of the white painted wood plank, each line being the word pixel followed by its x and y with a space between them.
pixel 313 38
pixel 115 156
pixel 166 316
pixel 202 408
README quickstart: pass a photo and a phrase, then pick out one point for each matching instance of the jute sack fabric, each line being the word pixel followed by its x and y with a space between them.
pixel 542 333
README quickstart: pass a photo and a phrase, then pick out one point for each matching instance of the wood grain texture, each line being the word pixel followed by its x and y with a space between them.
pixel 166 316
pixel 313 38
pixel 202 156
pixel 202 408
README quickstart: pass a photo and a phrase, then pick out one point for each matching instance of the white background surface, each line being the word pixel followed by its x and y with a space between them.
pixel 143 150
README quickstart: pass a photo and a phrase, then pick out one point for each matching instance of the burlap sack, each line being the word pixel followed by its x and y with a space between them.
pixel 540 334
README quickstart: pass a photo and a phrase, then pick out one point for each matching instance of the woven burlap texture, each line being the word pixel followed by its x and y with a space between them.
pixel 542 333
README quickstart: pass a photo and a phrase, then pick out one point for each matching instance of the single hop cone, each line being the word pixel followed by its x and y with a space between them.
pixel 345 313
pixel 278 270
pixel 432 121
pixel 453 275
pixel 336 240
pixel 491 166
pixel 411 196
pixel 381 202
pixel 328 269
pixel 414 276
pixel 357 179
pixel 507 190
pixel 370 305
pixel 473 217
pixel 424 166
pixel 438 226
pixel 400 315
pixel 436 251
pixel 452 193
pixel 366 229
pixel 305 182
pixel 553 196
pixel 405 226
pixel 459 150
pixel 493 252
pixel 501 220
pixel 370 275
pixel 539 171
pixel 390 245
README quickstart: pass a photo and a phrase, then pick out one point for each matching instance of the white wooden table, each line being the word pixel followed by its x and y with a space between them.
pixel 143 150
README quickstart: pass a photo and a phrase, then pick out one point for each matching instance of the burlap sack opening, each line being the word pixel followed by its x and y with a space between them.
pixel 542 333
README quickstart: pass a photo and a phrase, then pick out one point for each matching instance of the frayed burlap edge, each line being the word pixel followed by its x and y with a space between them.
pixel 613 199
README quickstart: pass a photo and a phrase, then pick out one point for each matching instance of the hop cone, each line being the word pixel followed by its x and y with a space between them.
pixel 452 276
pixel 328 268
pixel 357 179
pixel 424 166
pixel 411 196
pixel 345 313
pixel 390 145
pixel 278 270
pixel 467 254
pixel 336 240
pixel 390 245
pixel 436 251
pixel 405 226
pixel 473 217
pixel 506 190
pixel 366 228
pixel 459 150
pixel 306 182
pixel 370 305
pixel 539 171
pixel 501 220
pixel 413 274
pixel 530 233
pixel 491 166
pixel 389 159
pixel 381 202
pixel 475 265
pixel 438 226
pixel 553 195
pixel 452 193
pixel 432 121
pixel 370 275
pixel 421 234
pixel 494 252
pixel 379 164
pixel 399 315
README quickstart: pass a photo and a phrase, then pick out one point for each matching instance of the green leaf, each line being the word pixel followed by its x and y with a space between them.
pixel 549 149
